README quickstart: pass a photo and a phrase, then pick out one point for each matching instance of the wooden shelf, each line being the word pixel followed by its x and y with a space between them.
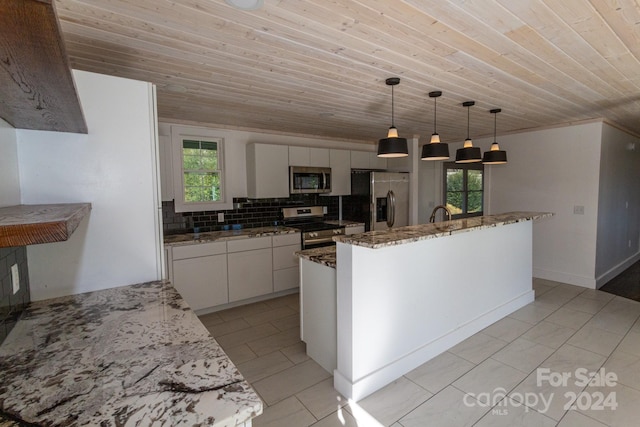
pixel 36 85
pixel 33 224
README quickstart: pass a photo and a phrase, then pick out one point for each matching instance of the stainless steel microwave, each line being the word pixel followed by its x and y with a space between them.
pixel 305 180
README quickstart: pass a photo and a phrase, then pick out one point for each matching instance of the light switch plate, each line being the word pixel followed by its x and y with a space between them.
pixel 578 210
pixel 220 216
pixel 15 278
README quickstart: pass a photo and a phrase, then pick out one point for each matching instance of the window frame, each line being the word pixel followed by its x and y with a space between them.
pixel 466 167
pixel 180 134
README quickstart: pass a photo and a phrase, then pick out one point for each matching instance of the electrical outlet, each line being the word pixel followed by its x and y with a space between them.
pixel 324 210
pixel 15 278
pixel 220 216
pixel 578 210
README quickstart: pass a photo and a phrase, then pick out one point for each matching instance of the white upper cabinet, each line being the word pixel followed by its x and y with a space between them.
pixel 308 156
pixel 340 162
pixel 166 168
pixel 267 171
pixel 367 160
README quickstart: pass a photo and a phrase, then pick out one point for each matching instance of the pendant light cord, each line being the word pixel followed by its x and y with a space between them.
pixel 495 123
pixel 468 115
pixel 435 107
pixel 392 112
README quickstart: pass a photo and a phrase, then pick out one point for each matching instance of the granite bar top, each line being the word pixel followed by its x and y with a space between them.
pixel 324 255
pixel 414 233
pixel 221 236
pixel 134 355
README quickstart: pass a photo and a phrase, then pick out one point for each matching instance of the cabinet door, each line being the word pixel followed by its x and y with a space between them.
pixel 298 156
pixel 202 281
pixel 166 168
pixel 340 162
pixel 267 171
pixel 319 157
pixel 250 274
pixel 376 162
pixel 360 160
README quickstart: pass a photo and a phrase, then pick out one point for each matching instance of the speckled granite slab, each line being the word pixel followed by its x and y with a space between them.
pixel 414 233
pixel 134 355
pixel 323 255
pixel 221 236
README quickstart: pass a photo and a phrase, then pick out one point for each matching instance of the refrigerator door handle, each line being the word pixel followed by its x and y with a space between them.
pixel 391 208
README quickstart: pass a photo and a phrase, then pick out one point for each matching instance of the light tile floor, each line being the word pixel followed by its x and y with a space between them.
pixel 494 378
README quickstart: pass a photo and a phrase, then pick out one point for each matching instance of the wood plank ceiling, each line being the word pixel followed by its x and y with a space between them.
pixel 318 67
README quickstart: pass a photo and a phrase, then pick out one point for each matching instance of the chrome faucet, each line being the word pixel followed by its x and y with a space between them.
pixel 432 218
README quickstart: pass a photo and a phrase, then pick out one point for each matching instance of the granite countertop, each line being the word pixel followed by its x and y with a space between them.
pixel 221 236
pixel 324 255
pixel 134 355
pixel 414 233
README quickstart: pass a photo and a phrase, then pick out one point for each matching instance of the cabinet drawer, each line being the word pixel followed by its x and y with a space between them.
pixel 286 239
pixel 198 250
pixel 283 257
pixel 249 244
pixel 287 278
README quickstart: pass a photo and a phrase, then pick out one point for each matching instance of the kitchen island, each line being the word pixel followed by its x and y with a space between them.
pixel 405 295
pixel 133 355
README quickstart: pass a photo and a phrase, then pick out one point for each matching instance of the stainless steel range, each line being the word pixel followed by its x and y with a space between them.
pixel 310 221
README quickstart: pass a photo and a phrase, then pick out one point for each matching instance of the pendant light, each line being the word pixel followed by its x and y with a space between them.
pixel 392 146
pixel 495 156
pixel 435 150
pixel 469 153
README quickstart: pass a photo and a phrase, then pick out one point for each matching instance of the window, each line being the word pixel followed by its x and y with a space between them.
pixel 463 188
pixel 201 171
pixel 198 170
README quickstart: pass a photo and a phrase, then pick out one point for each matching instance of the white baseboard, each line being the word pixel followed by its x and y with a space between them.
pixel 613 272
pixel 571 279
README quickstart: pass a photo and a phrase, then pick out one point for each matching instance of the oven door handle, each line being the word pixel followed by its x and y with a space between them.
pixel 316 241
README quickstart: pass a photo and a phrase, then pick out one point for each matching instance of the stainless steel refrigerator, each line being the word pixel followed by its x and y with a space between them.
pixel 379 199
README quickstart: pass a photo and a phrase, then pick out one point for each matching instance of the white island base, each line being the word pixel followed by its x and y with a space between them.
pixel 399 306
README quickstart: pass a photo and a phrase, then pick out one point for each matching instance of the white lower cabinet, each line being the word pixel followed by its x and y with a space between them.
pixel 202 281
pixel 286 274
pixel 218 273
pixel 250 264
pixel 199 273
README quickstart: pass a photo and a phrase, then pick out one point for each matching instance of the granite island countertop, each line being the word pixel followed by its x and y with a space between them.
pixel 414 233
pixel 133 355
pixel 221 236
pixel 325 255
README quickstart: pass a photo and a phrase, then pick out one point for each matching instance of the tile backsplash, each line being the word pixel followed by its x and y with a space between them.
pixel 248 213
pixel 11 305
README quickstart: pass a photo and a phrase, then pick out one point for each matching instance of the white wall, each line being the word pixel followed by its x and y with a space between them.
pixel 552 170
pixel 9 178
pixel 112 168
pixel 619 204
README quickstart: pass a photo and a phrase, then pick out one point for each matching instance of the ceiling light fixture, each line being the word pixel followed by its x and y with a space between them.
pixel 392 145
pixel 495 156
pixel 435 150
pixel 468 153
pixel 245 4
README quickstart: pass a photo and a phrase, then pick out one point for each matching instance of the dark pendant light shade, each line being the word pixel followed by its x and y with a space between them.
pixel 468 153
pixel 392 145
pixel 495 156
pixel 435 150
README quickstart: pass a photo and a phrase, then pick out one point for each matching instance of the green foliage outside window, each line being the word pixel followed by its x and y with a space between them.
pixel 200 161
pixel 463 189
